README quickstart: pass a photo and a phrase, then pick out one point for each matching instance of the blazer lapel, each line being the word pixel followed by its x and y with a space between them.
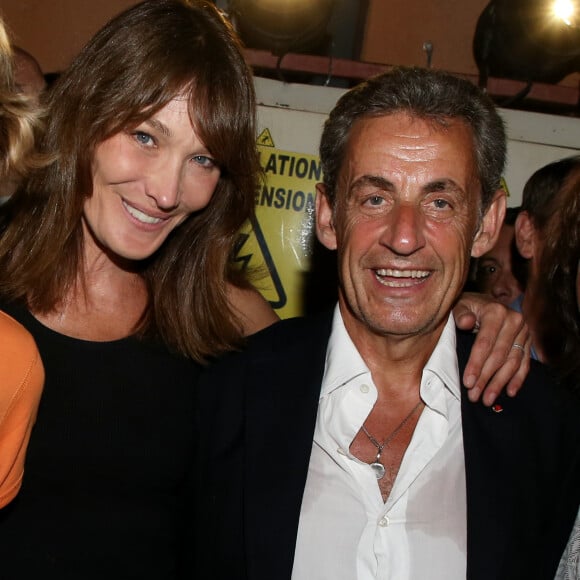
pixel 512 468
pixel 491 505
pixel 281 409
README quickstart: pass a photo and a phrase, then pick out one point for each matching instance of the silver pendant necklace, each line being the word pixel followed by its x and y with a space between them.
pixel 377 467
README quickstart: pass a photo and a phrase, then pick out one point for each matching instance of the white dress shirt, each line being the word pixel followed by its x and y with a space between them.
pixel 346 530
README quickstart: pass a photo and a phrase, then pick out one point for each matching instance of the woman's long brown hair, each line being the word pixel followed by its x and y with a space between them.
pixel 133 67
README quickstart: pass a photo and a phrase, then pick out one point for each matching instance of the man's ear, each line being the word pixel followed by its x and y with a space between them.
pixel 525 235
pixel 490 226
pixel 324 222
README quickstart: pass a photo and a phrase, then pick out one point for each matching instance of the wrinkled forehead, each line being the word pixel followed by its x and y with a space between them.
pixel 406 122
pixel 402 146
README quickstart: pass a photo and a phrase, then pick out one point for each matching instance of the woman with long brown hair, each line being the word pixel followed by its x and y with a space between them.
pixel 556 282
pixel 115 257
pixel 548 237
pixel 558 305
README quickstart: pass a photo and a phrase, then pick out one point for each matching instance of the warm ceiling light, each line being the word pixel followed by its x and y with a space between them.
pixel 283 25
pixel 564 10
pixel 528 40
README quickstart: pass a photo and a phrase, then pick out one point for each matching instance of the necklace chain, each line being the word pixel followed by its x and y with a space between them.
pixel 389 438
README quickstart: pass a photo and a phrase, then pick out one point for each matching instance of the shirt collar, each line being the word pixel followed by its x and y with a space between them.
pixel 344 363
pixel 443 360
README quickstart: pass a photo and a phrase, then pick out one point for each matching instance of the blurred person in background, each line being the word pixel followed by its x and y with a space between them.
pixel 539 205
pixel 558 304
pixel 548 236
pixel 21 371
pixel 28 75
pixel 27 80
pixel 496 272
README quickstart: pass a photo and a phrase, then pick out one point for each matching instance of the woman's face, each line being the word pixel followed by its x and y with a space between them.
pixel 146 181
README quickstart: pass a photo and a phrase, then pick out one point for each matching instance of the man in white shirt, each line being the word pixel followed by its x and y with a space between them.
pixel 344 448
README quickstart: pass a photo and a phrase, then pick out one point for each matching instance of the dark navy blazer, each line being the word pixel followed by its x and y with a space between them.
pixel 257 413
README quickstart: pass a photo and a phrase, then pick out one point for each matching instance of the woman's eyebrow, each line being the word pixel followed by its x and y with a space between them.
pixel 156 124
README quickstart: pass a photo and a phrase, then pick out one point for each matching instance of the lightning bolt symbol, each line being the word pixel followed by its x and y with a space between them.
pixel 243 259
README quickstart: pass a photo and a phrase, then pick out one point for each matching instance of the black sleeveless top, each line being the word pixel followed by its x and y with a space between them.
pixel 106 491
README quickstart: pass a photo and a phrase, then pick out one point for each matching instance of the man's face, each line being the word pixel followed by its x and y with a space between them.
pixel 494 270
pixel 404 225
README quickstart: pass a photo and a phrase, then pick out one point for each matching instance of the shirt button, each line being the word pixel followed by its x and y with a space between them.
pixel 341 451
pixel 364 389
pixel 384 522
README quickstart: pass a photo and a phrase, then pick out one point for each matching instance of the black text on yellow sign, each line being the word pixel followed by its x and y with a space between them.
pixel 279 243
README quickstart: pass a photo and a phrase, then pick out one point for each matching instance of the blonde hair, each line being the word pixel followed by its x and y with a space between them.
pixel 20 119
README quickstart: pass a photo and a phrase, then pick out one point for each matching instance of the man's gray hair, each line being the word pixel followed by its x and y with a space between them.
pixel 426 94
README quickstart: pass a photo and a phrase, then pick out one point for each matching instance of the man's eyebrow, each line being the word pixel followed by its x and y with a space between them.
pixel 442 185
pixel 384 184
pixel 374 181
pixel 156 124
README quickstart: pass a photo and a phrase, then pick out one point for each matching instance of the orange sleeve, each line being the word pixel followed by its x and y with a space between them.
pixel 21 382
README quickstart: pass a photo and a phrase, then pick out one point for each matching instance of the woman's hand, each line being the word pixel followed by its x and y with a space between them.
pixel 500 356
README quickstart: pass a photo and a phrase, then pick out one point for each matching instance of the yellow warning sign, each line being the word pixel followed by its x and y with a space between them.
pixel 265 139
pixel 504 185
pixel 280 242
